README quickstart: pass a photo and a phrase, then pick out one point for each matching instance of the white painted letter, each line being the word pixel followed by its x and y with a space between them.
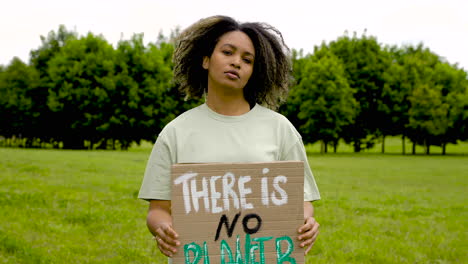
pixel 264 187
pixel 199 194
pixel 228 191
pixel 283 194
pixel 244 191
pixel 184 178
pixel 215 195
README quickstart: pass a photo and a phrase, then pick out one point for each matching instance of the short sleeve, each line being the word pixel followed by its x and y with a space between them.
pixel 298 152
pixel 156 183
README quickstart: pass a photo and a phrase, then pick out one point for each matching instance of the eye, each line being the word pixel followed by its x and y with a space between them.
pixel 247 60
pixel 227 52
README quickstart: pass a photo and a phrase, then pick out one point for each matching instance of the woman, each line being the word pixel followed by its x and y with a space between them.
pixel 238 68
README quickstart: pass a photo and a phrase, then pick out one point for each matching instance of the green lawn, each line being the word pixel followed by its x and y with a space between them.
pixel 392 209
pixel 61 206
pixel 393 145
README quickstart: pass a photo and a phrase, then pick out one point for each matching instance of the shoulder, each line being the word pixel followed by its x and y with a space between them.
pixel 185 119
pixel 264 112
pixel 278 119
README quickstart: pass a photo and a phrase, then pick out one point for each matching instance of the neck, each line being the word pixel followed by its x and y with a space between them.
pixel 231 104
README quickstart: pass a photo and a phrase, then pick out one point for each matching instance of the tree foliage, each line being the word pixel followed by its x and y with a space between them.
pixel 323 97
pixel 17 85
pixel 365 64
pixel 82 92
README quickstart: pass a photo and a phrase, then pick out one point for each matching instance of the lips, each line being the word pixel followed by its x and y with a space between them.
pixel 232 74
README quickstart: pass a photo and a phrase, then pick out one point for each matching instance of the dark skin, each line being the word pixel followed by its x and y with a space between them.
pixel 159 221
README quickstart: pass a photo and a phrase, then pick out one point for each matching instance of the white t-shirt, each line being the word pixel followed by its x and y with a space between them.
pixel 201 135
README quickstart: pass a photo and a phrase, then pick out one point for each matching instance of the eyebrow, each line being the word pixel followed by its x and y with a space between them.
pixel 234 47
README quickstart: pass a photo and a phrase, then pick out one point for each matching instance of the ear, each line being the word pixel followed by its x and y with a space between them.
pixel 206 62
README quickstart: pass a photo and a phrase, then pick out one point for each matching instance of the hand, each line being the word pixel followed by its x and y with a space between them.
pixel 308 233
pixel 166 238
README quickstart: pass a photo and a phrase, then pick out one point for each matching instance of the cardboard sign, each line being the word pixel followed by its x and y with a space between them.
pixel 237 213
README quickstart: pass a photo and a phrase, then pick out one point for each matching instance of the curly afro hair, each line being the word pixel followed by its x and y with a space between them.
pixel 272 71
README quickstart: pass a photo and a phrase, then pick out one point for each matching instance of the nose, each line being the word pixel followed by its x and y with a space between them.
pixel 236 62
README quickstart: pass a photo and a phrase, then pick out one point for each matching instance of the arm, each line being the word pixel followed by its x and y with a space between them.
pixel 309 231
pixel 159 222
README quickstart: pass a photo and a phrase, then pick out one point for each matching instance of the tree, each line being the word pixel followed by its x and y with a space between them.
pixel 458 116
pixel 16 105
pixel 400 78
pixel 428 115
pixel 147 73
pixel 453 83
pixel 50 46
pixel 82 75
pixel 324 98
pixel 364 64
pixel 436 92
pixel 394 102
pixel 290 108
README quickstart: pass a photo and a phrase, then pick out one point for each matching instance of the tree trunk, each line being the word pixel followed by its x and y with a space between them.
pixel 414 148
pixel 29 143
pixel 326 146
pixel 125 145
pixel 403 144
pixel 335 146
pixel 427 148
pixel 444 145
pixel 322 147
pixel 73 144
pixel 383 144
pixel 102 144
pixel 357 146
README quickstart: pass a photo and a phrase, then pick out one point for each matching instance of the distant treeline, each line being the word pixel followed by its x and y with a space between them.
pixel 80 92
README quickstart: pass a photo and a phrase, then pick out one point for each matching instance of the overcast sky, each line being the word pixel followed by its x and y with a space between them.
pixel 442 25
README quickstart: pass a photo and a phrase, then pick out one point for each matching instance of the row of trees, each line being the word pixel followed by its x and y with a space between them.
pixel 357 90
pixel 81 92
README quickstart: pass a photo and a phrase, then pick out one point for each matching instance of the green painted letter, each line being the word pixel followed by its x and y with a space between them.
pixel 225 248
pixel 239 259
pixel 260 240
pixel 282 257
pixel 197 252
pixel 205 254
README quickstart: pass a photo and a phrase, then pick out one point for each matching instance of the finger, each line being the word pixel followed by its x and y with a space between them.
pixel 171 236
pixel 309 233
pixel 165 233
pixel 165 241
pixel 309 241
pixel 165 248
pixel 171 232
pixel 304 228
pixel 165 252
pixel 308 248
pixel 305 236
pixel 309 222
pixel 160 247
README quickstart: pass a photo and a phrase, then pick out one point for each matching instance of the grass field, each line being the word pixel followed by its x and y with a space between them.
pixel 393 145
pixel 81 207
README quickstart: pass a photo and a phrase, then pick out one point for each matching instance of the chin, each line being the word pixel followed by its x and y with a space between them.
pixel 230 86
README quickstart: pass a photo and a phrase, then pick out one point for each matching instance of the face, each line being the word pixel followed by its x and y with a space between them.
pixel 231 63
